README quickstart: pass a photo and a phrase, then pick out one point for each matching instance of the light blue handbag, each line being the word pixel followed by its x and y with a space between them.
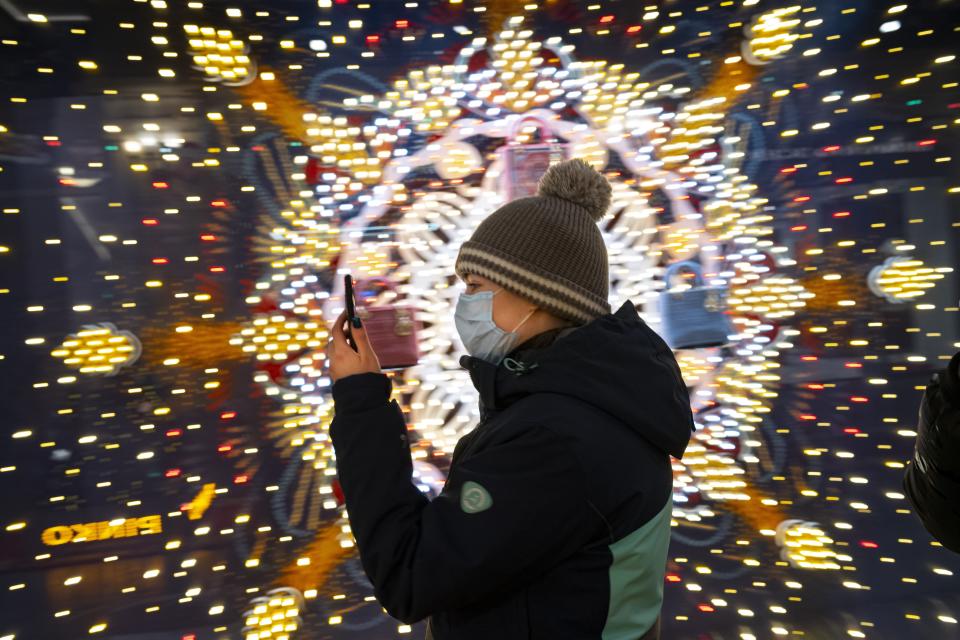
pixel 694 318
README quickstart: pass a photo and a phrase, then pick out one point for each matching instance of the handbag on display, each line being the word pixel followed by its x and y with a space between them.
pixel 694 318
pixel 524 164
pixel 392 329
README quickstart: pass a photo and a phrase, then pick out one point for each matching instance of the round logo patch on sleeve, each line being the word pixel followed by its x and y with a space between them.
pixel 474 498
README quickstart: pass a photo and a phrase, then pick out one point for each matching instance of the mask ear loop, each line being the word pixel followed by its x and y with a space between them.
pixel 525 319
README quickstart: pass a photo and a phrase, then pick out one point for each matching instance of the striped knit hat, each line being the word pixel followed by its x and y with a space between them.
pixel 548 248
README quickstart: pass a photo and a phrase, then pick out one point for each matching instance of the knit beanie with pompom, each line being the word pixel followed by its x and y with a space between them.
pixel 548 248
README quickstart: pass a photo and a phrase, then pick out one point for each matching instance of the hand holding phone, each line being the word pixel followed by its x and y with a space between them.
pixel 390 330
pixel 347 335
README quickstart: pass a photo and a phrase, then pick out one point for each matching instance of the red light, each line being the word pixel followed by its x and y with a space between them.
pixel 373 39
pixel 851 430
pixel 208 237
pixel 160 261
pixel 833 147
pixel 224 448
pixel 841 214
pixel 799 227
pixel 217 269
pixel 402 24
pixel 189 636
pixel 815 386
pixel 161 185
pixel 67 182
pixel 807 416
pixel 867 544
pixel 218 203
pixel 635 28
pixel 53 143
pixel 242 478
pixel 853 365
pixel 801 199
pixel 788 170
pixel 859 399
pixel 926 143
pixel 173 433
pixel 808 358
pixel 228 415
pixel 172 473
pixel 606 19
pixel 844 180
pixel 150 222
pixel 672 577
pixel 706 608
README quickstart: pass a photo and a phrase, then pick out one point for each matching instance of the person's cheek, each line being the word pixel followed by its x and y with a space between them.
pixel 501 311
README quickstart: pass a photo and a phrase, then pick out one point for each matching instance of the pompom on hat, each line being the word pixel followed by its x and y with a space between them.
pixel 548 248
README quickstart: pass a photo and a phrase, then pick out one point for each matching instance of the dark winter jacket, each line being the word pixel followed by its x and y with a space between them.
pixel 932 480
pixel 555 518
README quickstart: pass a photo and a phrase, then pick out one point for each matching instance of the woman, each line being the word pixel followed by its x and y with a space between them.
pixel 555 518
pixel 932 480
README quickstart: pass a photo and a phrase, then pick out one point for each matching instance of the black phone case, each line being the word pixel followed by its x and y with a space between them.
pixel 351 308
pixel 348 294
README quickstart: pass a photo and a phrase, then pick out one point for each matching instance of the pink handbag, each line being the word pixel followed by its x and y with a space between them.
pixel 392 329
pixel 523 164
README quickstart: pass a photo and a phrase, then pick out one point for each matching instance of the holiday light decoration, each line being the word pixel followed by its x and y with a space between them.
pixel 219 54
pixel 275 616
pixel 99 349
pixel 457 211
pixel 901 278
pixel 276 337
pixel 264 151
pixel 806 545
pixel 772 34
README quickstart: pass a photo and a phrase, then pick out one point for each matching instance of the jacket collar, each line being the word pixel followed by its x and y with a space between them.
pixel 521 360
pixel 616 362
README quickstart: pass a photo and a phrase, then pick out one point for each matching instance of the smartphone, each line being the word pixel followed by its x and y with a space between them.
pixel 351 307
pixel 392 332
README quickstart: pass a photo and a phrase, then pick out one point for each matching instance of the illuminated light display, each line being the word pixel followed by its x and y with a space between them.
pixel 275 616
pixel 101 349
pixel 184 210
pixel 196 507
pixel 900 278
pixel 772 34
pixel 92 531
pixel 806 545
pixel 218 54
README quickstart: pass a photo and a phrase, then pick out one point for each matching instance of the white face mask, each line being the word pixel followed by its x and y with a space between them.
pixel 479 333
